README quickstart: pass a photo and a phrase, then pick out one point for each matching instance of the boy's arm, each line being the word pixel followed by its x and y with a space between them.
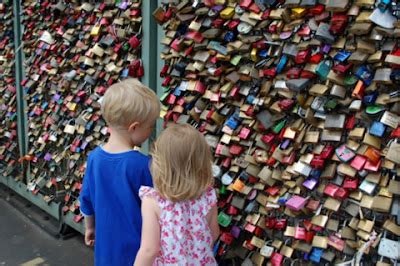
pixel 150 243
pixel 89 230
pixel 85 198
pixel 86 207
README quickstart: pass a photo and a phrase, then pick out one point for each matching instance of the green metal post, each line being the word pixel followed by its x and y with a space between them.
pixel 149 54
pixel 19 74
pixel 160 63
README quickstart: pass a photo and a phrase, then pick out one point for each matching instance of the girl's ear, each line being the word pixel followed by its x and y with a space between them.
pixel 132 127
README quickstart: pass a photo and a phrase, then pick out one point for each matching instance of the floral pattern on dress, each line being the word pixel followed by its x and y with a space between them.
pixel 184 231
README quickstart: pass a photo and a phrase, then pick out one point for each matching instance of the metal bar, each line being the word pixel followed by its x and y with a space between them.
pixel 19 74
pixel 160 63
pixel 69 220
pixel 149 55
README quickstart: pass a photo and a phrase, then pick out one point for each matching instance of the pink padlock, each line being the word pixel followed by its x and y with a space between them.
pixel 296 203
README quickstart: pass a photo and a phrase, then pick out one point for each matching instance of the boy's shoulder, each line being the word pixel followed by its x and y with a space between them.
pixel 134 156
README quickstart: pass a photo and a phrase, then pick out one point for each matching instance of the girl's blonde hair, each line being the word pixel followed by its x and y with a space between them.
pixel 181 163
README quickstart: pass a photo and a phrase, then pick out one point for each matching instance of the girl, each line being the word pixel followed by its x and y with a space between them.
pixel 179 214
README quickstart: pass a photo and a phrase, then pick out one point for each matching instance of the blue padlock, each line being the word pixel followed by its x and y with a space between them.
pixel 370 98
pixel 315 173
pixel 250 99
pixel 282 200
pixel 190 105
pixel 89 125
pixel 177 92
pixel 44 105
pixel 281 65
pixel 395 76
pixel 285 144
pixel 365 74
pixel 316 255
pixel 244 176
pixel 263 54
pixel 35 98
pixel 342 56
pixel 383 5
pixel 230 36
pixel 232 123
pixel 377 129
pixel 216 247
pixel 125 73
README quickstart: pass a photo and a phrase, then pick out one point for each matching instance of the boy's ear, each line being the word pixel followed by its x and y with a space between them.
pixel 132 127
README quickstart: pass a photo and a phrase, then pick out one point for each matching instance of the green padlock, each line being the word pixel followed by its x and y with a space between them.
pixel 164 96
pixel 236 59
pixel 224 219
pixel 278 127
pixel 330 105
pixel 126 47
pixel 350 80
pixel 374 109
pixel 324 68
pixel 222 190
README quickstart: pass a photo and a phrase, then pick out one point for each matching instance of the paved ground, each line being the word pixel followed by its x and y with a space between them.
pixel 23 242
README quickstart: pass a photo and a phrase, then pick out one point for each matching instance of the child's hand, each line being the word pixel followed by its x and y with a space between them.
pixel 89 237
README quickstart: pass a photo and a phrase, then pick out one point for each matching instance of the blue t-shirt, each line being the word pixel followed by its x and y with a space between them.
pixel 110 193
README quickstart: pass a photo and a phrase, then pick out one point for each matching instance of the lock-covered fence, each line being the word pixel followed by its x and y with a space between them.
pixel 69 53
pixel 299 101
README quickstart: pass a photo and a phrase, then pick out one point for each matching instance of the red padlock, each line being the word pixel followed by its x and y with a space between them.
pixel 140 70
pixel 302 56
pixel 270 222
pixel 294 73
pixel 267 139
pixel 276 259
pixel 317 162
pixel 227 238
pixel 134 42
pixel 316 59
pixel 327 152
pixel 338 23
pixel 350 183
pixel 331 189
pixel 341 193
pixel 280 224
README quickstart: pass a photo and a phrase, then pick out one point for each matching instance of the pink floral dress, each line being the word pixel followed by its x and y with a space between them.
pixel 185 235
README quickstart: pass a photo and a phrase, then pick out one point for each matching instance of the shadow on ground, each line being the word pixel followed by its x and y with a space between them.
pixel 23 242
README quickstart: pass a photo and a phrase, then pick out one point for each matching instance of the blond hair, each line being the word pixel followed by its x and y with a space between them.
pixel 129 101
pixel 181 163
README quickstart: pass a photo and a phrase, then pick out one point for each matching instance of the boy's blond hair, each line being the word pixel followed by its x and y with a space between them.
pixel 129 101
pixel 181 163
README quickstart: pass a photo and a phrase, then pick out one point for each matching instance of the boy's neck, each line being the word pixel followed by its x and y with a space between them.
pixel 118 142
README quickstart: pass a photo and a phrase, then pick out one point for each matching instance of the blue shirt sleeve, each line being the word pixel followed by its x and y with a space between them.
pixel 147 179
pixel 85 196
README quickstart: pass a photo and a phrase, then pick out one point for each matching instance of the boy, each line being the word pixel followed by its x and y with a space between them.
pixel 115 172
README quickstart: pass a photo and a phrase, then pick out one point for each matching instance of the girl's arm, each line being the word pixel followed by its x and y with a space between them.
pixel 150 243
pixel 213 223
